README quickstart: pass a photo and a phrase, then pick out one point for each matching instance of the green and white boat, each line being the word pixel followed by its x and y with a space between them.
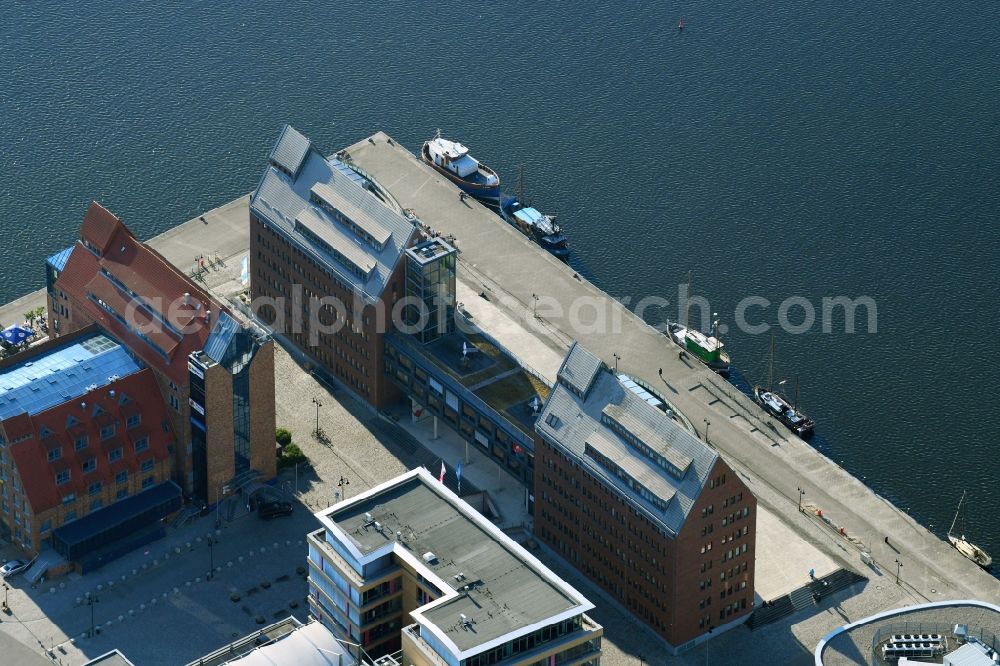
pixel 709 349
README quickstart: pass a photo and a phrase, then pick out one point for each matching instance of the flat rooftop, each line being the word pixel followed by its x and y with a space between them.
pixel 508 589
pixel 486 371
pixel 62 372
pixel 854 645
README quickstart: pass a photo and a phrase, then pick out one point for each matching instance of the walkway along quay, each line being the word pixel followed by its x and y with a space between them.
pixel 776 465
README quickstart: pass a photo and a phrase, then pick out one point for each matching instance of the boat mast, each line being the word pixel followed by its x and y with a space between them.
pixel 957 511
pixel 520 186
pixel 770 365
pixel 687 301
pixel 795 403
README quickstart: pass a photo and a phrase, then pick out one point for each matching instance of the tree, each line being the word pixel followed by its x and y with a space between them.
pixel 283 437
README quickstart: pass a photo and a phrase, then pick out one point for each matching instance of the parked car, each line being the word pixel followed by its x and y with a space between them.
pixel 13 568
pixel 268 509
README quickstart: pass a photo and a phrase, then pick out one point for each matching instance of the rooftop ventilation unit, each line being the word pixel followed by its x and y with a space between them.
pixel 368 517
pixel 378 526
pixel 429 557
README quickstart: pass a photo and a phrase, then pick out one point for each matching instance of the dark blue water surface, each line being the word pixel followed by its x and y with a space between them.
pixel 777 149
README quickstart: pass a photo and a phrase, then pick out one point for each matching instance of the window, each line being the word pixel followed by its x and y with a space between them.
pixel 147 465
pixel 70 516
pixel 62 477
pixel 147 482
pixel 141 444
pixel 80 443
pixel 89 465
pixel 55 454
pixel 94 488
pixel 122 476
pixel 96 504
pixel 69 499
pixel 46 526
pixel 121 494
pixel 133 421
pixel 108 431
pixel 115 454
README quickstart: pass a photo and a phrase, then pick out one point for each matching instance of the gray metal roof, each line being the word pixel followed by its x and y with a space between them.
pixel 349 211
pixel 290 149
pixel 508 589
pixel 342 245
pixel 579 368
pixel 279 200
pixel 570 423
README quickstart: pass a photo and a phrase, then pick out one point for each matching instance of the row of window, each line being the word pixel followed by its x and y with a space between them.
pixel 90 465
pixel 81 443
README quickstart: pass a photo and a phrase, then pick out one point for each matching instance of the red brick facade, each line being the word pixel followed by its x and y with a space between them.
pixel 680 585
pixel 284 280
pixel 82 455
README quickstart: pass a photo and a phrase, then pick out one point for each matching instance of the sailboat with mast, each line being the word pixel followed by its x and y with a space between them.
pixel 778 406
pixel 963 545
pixel 709 349
pixel 535 225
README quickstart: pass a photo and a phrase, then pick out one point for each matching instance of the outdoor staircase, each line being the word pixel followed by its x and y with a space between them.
pixel 45 560
pixel 803 597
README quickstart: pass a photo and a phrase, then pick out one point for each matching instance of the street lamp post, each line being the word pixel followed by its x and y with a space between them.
pixel 6 589
pixel 318 405
pixel 707 423
pixel 898 565
pixel 343 486
pixel 534 305
pixel 211 557
pixel 92 600
pixel 801 493
pixel 617 358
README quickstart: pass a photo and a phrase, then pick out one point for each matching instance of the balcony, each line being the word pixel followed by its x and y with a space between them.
pixel 413 633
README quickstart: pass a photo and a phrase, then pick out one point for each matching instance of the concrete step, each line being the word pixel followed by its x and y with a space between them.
pixel 802 597
pixel 779 608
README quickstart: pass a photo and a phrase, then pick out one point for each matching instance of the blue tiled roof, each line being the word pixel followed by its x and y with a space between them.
pixel 59 259
pixel 61 374
pixel 220 337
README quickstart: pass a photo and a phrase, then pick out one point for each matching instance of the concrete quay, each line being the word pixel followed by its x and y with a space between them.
pixel 497 260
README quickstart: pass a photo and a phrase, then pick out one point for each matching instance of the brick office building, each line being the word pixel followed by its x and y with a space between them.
pixel 641 507
pixel 320 230
pixel 177 329
pixel 84 438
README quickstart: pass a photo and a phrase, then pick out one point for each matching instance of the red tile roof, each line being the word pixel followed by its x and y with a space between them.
pixel 139 285
pixel 99 226
pixel 30 457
